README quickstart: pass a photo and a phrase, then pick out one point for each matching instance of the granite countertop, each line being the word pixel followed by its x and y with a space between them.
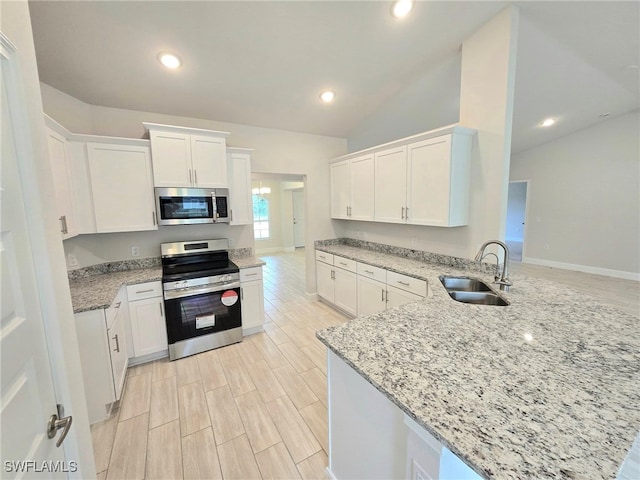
pixel 546 387
pixel 96 291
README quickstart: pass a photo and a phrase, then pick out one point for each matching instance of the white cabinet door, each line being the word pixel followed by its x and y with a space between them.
pixel 324 278
pixel 391 185
pixel 252 298
pixel 209 161
pixel 171 159
pixel 148 328
pixel 397 297
pixel 362 184
pixel 122 186
pixel 239 169
pixel 371 296
pixel 95 361
pixel 429 181
pixel 340 189
pixel 62 183
pixel 345 290
pixel 118 351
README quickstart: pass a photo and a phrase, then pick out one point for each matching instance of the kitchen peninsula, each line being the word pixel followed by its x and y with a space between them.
pixel 546 387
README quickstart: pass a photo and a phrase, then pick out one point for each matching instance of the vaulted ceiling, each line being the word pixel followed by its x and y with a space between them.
pixel 264 63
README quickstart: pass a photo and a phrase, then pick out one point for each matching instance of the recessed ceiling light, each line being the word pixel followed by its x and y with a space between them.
pixel 401 8
pixel 548 122
pixel 327 96
pixel 169 60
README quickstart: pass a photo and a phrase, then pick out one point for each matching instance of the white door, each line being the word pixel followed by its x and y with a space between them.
pixel 298 219
pixel 28 398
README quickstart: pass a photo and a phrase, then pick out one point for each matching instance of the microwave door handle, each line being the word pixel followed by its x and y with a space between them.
pixel 214 206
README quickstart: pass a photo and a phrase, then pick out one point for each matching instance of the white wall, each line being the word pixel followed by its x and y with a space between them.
pixel 414 110
pixel 486 104
pixel 584 200
pixel 275 151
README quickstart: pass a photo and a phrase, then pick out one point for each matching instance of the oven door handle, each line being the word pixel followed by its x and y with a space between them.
pixel 189 292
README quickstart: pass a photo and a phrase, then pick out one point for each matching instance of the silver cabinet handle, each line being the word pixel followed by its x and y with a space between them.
pixel 404 283
pixel 369 272
pixel 190 180
pixel 347 211
pixel 402 215
pixel 144 291
pixel 406 213
pixel 232 215
pixel 153 217
pixel 241 293
pixel 161 311
pixel 342 263
pixel 251 274
pixel 54 424
pixel 382 291
pixel 117 343
pixel 63 224
pixel 117 305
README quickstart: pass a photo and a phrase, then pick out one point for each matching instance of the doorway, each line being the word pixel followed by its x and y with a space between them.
pixel 516 219
pixel 297 197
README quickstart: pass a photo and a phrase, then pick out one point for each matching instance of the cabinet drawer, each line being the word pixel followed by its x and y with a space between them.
pixel 141 291
pixel 410 284
pixel 369 271
pixel 345 263
pixel 324 257
pixel 250 274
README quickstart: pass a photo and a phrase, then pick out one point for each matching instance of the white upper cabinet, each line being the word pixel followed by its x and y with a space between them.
pixel 60 160
pixel 390 185
pixel 188 157
pixel 352 187
pixel 438 181
pixel 239 170
pixel 122 185
pixel 419 180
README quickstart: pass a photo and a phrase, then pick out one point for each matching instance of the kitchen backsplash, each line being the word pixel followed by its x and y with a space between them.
pixel 419 255
pixel 123 265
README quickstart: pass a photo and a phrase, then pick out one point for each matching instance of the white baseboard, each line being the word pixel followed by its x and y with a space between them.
pixel 148 358
pixel 252 330
pixel 262 251
pixel 583 268
pixel 312 296
pixel 330 474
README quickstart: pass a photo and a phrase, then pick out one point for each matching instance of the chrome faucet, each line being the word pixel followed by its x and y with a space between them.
pixel 501 279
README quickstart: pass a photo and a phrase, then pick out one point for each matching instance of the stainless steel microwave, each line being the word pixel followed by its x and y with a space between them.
pixel 189 206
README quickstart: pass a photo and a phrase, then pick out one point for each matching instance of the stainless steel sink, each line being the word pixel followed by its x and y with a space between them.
pixel 478 298
pixel 471 290
pixel 464 284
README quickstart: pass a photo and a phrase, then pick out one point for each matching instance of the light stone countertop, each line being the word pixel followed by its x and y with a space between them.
pixel 564 405
pixel 98 291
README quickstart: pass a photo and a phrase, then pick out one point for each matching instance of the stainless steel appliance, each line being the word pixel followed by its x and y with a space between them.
pixel 186 206
pixel 201 296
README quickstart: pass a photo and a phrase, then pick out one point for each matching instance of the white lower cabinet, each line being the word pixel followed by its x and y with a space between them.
pixel 252 300
pixel 371 296
pixel 337 281
pixel 148 327
pixel 103 354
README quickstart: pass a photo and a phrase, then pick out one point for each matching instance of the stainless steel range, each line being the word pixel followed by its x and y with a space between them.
pixel 201 296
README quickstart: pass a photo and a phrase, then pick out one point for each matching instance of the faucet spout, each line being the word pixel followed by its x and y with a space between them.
pixel 502 279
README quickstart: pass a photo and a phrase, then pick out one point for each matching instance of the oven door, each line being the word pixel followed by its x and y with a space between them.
pixel 200 311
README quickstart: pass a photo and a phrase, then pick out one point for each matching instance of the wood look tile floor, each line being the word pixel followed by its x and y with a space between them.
pixel 256 409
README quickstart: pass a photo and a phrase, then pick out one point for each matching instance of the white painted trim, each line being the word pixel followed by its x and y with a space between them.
pixel 81 137
pixel 187 130
pixel 312 296
pixel 252 330
pixel 330 474
pixel 422 433
pixel 583 268
pixel 133 361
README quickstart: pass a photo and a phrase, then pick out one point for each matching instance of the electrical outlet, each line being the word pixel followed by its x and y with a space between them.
pixel 414 243
pixel 72 261
pixel 231 242
pixel 135 251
